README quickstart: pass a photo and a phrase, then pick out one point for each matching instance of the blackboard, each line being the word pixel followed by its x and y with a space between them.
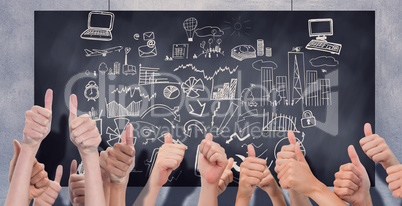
pixel 245 76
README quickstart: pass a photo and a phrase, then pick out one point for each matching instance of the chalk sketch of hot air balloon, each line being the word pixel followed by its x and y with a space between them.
pixel 189 25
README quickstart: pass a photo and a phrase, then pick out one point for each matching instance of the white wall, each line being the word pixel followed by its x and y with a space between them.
pixel 17 60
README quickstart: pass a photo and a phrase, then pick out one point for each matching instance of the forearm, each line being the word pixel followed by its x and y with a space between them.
pixel 148 195
pixel 106 192
pixel 277 198
pixel 94 194
pixel 242 200
pixel 391 162
pixel 18 193
pixel 208 194
pixel 322 195
pixel 298 199
pixel 117 194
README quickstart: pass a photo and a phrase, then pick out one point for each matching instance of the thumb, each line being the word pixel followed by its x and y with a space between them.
pixel 127 136
pixel 168 138
pixel 230 163
pixel 73 107
pixel 49 99
pixel 299 153
pixel 17 149
pixel 209 137
pixel 73 167
pixel 291 137
pixel 59 174
pixel 367 129
pixel 251 151
pixel 353 156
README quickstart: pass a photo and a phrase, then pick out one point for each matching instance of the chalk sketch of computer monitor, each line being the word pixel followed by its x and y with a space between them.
pixel 320 28
pixel 100 25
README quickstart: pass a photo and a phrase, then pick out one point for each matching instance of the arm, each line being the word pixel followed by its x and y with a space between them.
pixel 118 162
pixel 50 195
pixel 212 162
pixel 251 173
pixel 169 158
pixel 85 136
pixel 76 186
pixel 37 127
pixel 377 149
pixel 226 178
pixel 394 180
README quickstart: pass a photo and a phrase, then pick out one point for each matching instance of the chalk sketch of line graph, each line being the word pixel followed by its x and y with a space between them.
pixel 149 75
pixel 279 123
pixel 207 77
pixel 133 91
pixel 115 109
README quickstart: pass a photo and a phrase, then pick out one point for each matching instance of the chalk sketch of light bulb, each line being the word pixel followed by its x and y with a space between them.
pixel 190 25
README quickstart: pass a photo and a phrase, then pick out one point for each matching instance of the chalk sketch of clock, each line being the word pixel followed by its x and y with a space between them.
pixel 91 91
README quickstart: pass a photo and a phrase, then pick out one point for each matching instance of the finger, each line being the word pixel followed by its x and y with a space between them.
pixel 73 107
pixel 353 156
pixel 394 169
pixel 59 174
pixel 129 135
pixel 73 167
pixel 209 137
pixel 299 153
pixel 230 164
pixel 251 151
pixel 168 138
pixel 367 129
pixel 49 99
pixel 291 137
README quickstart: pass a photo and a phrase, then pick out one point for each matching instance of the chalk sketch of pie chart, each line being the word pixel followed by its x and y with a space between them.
pixel 171 92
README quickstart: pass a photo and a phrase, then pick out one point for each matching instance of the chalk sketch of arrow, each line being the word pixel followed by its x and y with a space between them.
pixel 251 113
pixel 187 127
pixel 201 107
pixel 165 107
pixel 235 166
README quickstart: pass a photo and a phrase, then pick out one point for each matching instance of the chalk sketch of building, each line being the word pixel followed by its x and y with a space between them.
pixel 325 92
pixel 267 83
pixel 296 68
pixel 282 86
pixel 311 88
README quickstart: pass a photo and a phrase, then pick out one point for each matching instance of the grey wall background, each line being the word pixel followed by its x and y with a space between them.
pixel 17 59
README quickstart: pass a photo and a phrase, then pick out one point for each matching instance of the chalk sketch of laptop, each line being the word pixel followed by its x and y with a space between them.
pixel 100 26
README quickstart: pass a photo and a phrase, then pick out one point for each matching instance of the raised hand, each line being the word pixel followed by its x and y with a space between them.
pixel 377 149
pixel 394 180
pixel 352 183
pixel 83 131
pixel 50 195
pixel 226 178
pixel 251 173
pixel 119 160
pixel 38 122
pixel 270 186
pixel 76 186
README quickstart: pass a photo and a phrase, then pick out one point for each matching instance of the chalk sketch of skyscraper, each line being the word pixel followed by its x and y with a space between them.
pixel 295 76
pixel 282 86
pixel 267 83
pixel 325 92
pixel 312 88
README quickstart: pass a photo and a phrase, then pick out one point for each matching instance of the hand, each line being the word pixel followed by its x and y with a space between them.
pixel 251 173
pixel 76 186
pixel 394 180
pixel 377 149
pixel 119 160
pixel 39 180
pixel 269 184
pixel 83 131
pixel 296 174
pixel 212 160
pixel 50 195
pixel 38 121
pixel 226 178
pixel 352 183
pixel 169 158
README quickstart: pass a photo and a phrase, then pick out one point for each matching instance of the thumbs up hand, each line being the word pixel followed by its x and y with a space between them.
pixel 76 186
pixel 38 122
pixel 352 183
pixel 394 180
pixel 119 160
pixel 83 131
pixel 377 149
pixel 251 173
pixel 169 158
pixel 50 195
pixel 226 178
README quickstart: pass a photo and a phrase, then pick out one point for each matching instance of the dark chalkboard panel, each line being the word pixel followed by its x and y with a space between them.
pixel 245 76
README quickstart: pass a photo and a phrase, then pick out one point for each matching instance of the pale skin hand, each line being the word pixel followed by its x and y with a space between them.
pixel 37 127
pixel 118 162
pixel 288 152
pixel 251 173
pixel 394 180
pixel 296 175
pixel 50 195
pixel 169 158
pixel 212 161
pixel 226 178
pixel 85 135
pixel 377 149
pixel 270 186
pixel 76 186
pixel 352 183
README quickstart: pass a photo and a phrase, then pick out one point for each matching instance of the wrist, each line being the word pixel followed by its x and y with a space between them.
pixel 316 188
pixel 32 149
pixel 242 199
pixel 391 162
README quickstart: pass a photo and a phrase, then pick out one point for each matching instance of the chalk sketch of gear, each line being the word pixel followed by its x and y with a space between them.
pixel 91 91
